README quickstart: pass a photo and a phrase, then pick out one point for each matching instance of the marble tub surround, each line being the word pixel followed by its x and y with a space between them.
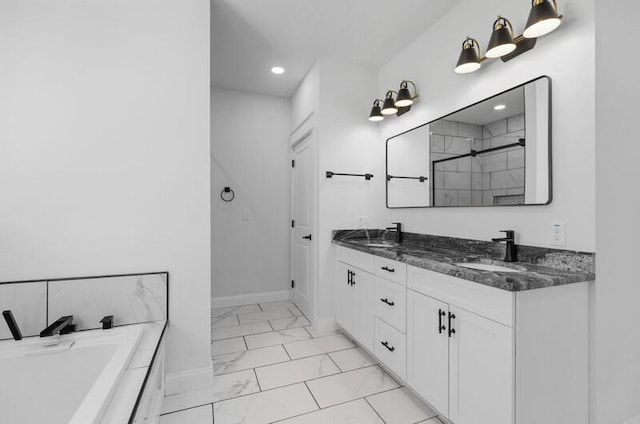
pixel 540 267
pixel 131 299
pixel 28 302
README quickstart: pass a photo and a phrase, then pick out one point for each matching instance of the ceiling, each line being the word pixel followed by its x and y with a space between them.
pixel 248 37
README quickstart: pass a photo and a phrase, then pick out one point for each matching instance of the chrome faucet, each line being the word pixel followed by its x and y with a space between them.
pixel 510 253
pixel 63 325
pixel 398 230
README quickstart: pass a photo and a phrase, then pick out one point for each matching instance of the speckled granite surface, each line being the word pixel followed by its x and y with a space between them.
pixel 540 267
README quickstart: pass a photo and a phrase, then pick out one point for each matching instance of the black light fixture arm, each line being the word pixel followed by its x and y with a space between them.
pixel 404 83
pixel 469 42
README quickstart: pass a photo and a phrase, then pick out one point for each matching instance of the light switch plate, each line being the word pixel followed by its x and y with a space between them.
pixel 245 214
pixel 362 221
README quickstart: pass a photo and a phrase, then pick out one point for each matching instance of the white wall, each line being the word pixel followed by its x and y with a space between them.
pixel 617 302
pixel 104 149
pixel 342 95
pixel 567 56
pixel 250 154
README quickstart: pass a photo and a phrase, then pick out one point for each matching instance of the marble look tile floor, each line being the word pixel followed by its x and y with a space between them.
pixel 272 367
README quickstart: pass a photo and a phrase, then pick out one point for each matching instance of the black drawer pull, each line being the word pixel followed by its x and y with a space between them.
pixel 384 268
pixel 451 329
pixel 386 344
pixel 441 327
pixel 385 300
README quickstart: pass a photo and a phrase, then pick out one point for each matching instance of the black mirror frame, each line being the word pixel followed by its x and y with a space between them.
pixel 431 176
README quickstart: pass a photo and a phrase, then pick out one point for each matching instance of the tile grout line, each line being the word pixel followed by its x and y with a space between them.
pixel 312 396
pixel 374 409
pixel 187 409
pixel 257 380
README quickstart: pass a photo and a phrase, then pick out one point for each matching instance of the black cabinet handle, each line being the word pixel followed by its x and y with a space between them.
pixel 349 277
pixel 385 300
pixel 384 268
pixel 307 237
pixel 386 344
pixel 451 329
pixel 441 327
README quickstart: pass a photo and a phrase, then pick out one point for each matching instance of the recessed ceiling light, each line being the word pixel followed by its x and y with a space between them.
pixel 277 70
pixel 499 107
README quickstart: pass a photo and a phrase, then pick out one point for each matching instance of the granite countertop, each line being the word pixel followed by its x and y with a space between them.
pixel 540 267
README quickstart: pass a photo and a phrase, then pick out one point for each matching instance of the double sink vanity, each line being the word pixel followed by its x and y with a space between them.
pixel 481 340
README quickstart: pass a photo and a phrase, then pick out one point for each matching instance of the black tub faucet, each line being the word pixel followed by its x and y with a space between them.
pixel 510 253
pixel 398 230
pixel 63 325
pixel 13 325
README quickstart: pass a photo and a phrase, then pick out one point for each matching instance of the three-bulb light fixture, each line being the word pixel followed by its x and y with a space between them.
pixel 400 105
pixel 543 19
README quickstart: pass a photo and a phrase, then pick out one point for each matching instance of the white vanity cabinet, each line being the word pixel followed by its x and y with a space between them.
pixel 354 297
pixel 477 354
pixel 460 361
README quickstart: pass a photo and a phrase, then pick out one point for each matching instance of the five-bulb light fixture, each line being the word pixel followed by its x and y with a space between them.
pixel 400 105
pixel 543 19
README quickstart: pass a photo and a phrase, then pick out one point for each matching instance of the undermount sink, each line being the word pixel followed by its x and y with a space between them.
pixel 487 267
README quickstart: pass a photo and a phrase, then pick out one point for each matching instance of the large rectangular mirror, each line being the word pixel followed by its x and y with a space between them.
pixel 496 152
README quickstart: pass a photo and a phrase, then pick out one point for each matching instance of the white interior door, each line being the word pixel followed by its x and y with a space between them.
pixel 303 234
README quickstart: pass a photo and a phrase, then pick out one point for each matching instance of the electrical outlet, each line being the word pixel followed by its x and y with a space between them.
pixel 362 221
pixel 558 234
pixel 245 214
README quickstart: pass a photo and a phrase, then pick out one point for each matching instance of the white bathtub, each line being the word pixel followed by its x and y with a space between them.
pixel 71 383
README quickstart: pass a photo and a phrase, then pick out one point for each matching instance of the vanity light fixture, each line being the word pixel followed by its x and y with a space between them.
pixel 404 98
pixel 501 42
pixel 376 113
pixel 543 19
pixel 389 105
pixel 469 60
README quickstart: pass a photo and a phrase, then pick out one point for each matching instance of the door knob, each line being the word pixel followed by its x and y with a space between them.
pixel 307 237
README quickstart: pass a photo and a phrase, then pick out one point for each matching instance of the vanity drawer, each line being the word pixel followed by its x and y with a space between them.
pixel 489 302
pixel 361 260
pixel 391 270
pixel 391 348
pixel 391 303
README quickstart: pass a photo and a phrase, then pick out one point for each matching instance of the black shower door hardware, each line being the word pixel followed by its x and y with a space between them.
pixel 421 178
pixel 331 174
pixel 474 153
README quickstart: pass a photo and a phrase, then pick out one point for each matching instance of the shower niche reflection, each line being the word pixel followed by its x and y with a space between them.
pixel 493 153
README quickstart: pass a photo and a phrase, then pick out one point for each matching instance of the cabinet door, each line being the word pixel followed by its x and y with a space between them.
pixel 363 307
pixel 344 298
pixel 481 378
pixel 428 349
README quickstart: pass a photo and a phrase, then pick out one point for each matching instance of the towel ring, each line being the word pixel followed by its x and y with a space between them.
pixel 227 190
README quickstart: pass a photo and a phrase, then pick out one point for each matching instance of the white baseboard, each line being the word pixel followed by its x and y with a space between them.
pixel 249 299
pixel 187 381
pixel 634 420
